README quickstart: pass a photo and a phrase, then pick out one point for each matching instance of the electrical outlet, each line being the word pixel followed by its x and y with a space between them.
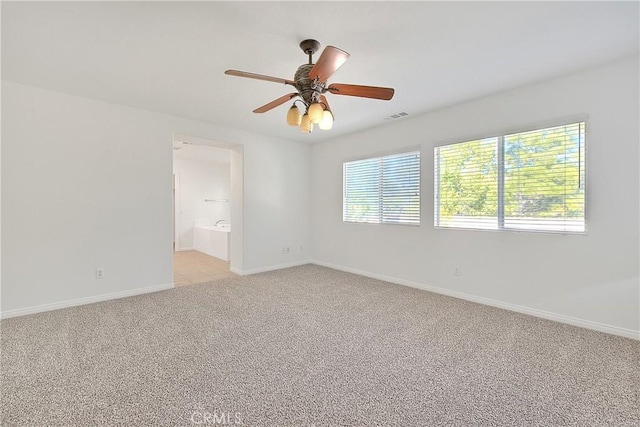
pixel 286 250
pixel 456 271
pixel 99 273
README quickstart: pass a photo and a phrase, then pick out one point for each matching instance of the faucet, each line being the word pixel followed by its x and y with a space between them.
pixel 218 222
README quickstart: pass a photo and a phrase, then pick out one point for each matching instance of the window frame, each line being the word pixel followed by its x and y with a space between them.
pixel 500 137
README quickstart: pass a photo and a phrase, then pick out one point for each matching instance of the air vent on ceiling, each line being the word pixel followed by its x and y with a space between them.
pixel 397 116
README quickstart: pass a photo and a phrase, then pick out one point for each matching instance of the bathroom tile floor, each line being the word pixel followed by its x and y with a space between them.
pixel 191 267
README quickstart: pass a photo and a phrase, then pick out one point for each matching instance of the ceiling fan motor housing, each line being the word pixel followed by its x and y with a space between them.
pixel 309 90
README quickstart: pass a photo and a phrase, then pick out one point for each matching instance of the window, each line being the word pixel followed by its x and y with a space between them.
pixel 524 181
pixel 383 190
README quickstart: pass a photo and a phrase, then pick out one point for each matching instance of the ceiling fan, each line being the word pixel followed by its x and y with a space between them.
pixel 310 82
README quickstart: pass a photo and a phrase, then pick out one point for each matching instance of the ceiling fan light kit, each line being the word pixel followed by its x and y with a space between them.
pixel 310 81
pixel 327 120
pixel 293 116
pixel 305 124
pixel 315 112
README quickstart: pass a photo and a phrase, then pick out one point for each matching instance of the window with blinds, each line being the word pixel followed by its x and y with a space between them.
pixel 524 181
pixel 383 190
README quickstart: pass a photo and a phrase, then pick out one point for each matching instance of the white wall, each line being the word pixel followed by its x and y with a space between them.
pixel 591 280
pixel 88 184
pixel 199 180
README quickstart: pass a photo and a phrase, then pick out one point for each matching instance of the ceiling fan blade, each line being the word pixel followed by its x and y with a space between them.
pixel 330 60
pixel 259 77
pixel 275 103
pixel 385 93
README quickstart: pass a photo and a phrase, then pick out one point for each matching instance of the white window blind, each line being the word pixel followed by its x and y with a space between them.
pixel 525 181
pixel 383 189
pixel 467 184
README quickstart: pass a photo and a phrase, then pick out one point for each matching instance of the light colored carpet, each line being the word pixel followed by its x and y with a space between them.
pixel 310 346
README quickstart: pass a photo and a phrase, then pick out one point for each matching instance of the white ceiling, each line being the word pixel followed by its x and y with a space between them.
pixel 170 57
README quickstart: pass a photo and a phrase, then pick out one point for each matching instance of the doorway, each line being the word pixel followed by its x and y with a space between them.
pixel 207 209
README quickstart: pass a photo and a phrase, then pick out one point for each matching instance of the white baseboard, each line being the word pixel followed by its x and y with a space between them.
pixel 587 324
pixel 269 268
pixel 82 301
pixel 190 248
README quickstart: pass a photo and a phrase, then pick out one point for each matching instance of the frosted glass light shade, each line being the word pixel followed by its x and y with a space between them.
pixel 315 112
pixel 305 124
pixel 327 120
pixel 293 116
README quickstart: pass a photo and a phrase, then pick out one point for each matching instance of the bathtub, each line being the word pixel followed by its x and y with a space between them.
pixel 212 240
